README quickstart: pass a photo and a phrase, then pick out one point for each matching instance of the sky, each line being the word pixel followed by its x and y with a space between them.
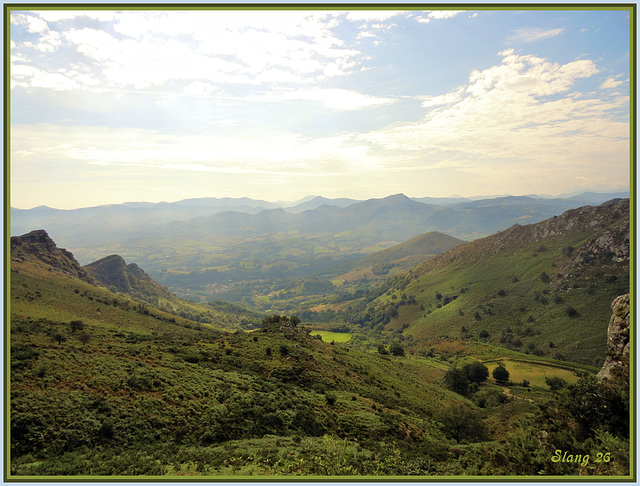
pixel 115 106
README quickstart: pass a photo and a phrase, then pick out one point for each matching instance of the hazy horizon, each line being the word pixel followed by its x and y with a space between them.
pixel 112 106
pixel 312 196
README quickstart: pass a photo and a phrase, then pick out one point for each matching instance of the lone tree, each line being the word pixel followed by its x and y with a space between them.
pixel 462 423
pixel 59 337
pixel 476 372
pixel 500 374
pixel 76 326
pixel 456 380
pixel 396 349
pixel 84 338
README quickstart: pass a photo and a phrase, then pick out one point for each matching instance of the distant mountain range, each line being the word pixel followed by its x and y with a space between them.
pixel 238 239
pixel 144 213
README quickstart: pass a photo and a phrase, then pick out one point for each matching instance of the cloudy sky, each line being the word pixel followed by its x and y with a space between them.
pixel 115 106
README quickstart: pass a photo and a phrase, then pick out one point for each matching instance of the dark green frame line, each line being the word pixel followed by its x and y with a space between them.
pixel 631 7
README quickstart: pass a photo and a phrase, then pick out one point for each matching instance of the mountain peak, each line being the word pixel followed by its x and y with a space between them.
pixel 36 246
pixel 113 271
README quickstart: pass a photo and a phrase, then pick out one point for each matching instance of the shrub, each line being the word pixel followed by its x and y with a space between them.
pixel 572 312
pixel 331 399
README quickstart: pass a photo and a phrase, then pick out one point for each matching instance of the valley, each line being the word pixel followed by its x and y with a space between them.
pixel 322 342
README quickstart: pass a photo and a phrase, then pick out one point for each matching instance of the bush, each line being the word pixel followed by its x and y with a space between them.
pixel 572 312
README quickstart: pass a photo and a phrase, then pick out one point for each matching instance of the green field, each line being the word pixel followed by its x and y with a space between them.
pixel 534 373
pixel 338 337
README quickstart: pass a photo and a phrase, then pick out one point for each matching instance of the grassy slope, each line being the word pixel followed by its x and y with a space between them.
pixel 150 393
pixel 399 257
pixel 146 395
pixel 498 284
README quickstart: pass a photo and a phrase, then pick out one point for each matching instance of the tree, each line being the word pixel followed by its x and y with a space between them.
pixel 476 372
pixel 500 374
pixel 84 338
pixel 483 334
pixel 462 423
pixel 595 405
pixel 59 337
pixel 76 326
pixel 456 380
pixel 382 349
pixel 396 349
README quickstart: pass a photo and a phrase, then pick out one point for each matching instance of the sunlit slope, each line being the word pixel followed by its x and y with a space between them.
pixel 398 258
pixel 544 288
pixel 47 282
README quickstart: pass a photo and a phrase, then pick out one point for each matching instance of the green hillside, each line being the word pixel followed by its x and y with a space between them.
pixel 104 386
pixel 543 289
pixel 398 258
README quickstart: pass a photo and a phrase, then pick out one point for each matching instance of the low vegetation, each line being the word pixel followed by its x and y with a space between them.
pixel 436 372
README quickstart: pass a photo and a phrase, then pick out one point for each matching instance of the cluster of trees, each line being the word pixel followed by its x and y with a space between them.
pixel 395 349
pixel 465 380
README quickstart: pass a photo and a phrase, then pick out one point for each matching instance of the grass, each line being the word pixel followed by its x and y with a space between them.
pixel 327 336
pixel 534 373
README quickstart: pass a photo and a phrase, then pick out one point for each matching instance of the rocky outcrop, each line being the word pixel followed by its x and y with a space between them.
pixel 37 246
pixel 617 338
pixel 112 271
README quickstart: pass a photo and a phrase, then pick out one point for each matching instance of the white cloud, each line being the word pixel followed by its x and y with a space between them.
pixel 444 14
pixel 32 23
pixel 243 152
pixel 534 34
pixel 372 15
pixel 446 99
pixel 611 83
pixel 151 48
pixel 59 15
pixel 503 114
pixel 336 99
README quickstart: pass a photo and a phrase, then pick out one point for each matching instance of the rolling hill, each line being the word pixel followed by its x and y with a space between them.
pixel 398 258
pixel 103 385
pixel 543 288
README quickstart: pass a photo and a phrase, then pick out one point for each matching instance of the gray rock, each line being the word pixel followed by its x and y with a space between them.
pixel 617 337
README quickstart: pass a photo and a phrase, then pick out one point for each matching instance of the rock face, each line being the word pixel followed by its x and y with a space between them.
pixel 617 338
pixel 112 271
pixel 38 246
